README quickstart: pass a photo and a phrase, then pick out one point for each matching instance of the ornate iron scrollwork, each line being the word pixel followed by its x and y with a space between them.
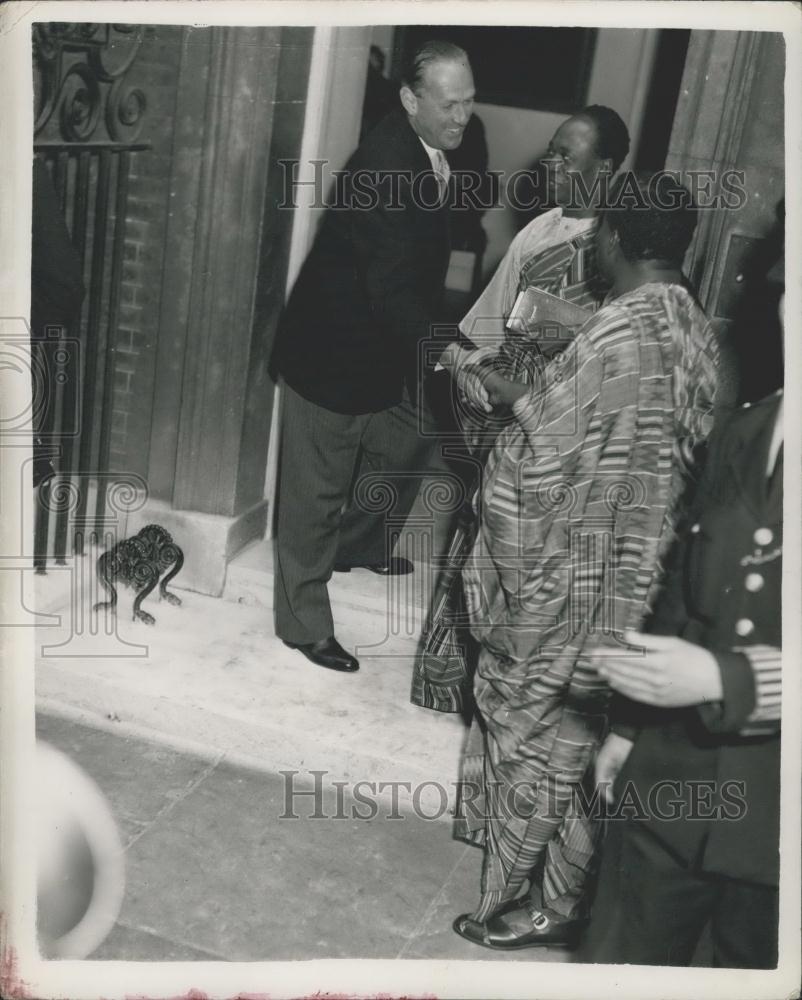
pixel 138 563
pixel 80 77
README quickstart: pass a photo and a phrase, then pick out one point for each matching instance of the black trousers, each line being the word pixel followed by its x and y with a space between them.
pixel 372 462
pixel 651 909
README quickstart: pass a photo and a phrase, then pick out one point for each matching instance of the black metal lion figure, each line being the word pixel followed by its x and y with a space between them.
pixel 138 563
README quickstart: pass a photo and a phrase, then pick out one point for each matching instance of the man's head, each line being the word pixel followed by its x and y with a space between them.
pixel 650 218
pixel 437 93
pixel 588 144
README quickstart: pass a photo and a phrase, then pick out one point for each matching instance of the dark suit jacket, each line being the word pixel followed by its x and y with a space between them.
pixel 372 284
pixel 723 592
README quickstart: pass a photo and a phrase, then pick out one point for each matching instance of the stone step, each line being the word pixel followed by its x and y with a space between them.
pixel 210 677
pixel 388 612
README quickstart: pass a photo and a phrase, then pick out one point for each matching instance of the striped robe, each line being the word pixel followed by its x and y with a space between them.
pixel 441 672
pixel 579 504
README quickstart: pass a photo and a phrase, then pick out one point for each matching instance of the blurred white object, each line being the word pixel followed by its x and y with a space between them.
pixel 80 870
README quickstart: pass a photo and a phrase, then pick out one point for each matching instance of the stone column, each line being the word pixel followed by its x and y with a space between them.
pixel 730 117
pixel 213 397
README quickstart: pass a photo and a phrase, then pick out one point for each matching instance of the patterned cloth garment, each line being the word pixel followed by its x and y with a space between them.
pixel 578 507
pixel 441 673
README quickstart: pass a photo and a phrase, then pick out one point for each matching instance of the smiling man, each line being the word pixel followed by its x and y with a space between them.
pixel 555 252
pixel 347 350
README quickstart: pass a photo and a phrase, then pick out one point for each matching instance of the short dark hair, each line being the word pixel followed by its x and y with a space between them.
pixel 425 54
pixel 612 135
pixel 653 214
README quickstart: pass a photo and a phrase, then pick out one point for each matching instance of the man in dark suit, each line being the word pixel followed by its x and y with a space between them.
pixel 694 748
pixel 348 350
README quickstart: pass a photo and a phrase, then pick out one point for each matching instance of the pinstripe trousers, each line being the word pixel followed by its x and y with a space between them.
pixel 371 464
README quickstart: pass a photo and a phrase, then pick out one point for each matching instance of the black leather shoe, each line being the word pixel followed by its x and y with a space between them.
pixel 544 932
pixel 393 567
pixel 327 653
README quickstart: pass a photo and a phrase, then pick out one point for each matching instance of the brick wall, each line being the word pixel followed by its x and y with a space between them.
pixel 142 373
pixel 155 72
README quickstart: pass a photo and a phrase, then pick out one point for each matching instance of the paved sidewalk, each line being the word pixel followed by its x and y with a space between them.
pixel 214 872
pixel 211 678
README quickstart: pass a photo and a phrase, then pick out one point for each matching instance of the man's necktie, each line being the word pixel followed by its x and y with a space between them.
pixel 442 172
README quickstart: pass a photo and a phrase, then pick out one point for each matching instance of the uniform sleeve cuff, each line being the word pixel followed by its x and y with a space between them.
pixel 626 717
pixel 738 695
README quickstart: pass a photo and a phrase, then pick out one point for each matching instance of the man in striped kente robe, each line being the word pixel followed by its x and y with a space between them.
pixel 580 499
pixel 554 253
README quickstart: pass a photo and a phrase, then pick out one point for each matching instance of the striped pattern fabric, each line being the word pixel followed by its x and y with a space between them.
pixel 485 322
pixel 567 270
pixel 441 673
pixel 766 664
pixel 578 508
pixel 443 668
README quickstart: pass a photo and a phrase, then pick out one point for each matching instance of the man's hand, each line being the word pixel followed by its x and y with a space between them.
pixel 609 761
pixel 502 391
pixel 671 673
pixel 485 389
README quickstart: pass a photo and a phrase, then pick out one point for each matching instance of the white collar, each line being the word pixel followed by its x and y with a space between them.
pixel 430 149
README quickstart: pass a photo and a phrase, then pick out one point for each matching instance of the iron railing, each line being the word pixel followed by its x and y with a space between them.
pixel 87 124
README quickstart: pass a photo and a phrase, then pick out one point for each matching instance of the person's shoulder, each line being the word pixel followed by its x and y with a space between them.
pixel 655 299
pixel 757 411
pixel 527 234
pixel 535 225
pixel 739 424
pixel 612 316
pixel 391 145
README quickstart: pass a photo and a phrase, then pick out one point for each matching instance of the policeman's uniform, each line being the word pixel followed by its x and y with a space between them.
pixel 703 783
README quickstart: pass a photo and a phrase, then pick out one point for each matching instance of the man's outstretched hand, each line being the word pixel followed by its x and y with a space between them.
pixel 486 389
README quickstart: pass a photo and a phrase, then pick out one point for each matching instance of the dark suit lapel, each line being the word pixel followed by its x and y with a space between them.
pixel 421 164
pixel 413 157
pixel 748 459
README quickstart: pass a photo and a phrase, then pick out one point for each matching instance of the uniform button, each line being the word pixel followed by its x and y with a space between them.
pixel 763 536
pixel 744 626
pixel 696 528
pixel 754 582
